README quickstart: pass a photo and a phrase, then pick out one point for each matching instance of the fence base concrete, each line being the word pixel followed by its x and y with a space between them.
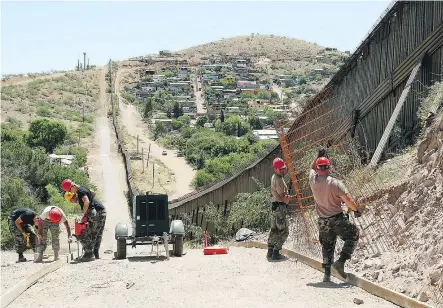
pixel 14 292
pixel 387 294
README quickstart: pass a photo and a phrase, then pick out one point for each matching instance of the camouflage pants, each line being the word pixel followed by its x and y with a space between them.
pixel 55 236
pixel 19 240
pixel 93 234
pixel 279 226
pixel 329 229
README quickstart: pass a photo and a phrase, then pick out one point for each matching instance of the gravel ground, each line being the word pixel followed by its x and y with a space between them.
pixel 242 278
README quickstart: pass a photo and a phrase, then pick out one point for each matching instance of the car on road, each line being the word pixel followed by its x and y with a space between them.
pixel 180 154
pixel 164 152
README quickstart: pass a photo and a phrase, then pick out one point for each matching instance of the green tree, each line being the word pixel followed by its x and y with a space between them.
pixel 159 130
pixel 176 110
pixel 255 122
pixel 176 124
pixel 201 121
pixel 222 116
pixel 47 134
pixel 148 108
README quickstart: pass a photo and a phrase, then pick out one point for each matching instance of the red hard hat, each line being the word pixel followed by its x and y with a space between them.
pixel 55 215
pixel 66 184
pixel 322 161
pixel 278 163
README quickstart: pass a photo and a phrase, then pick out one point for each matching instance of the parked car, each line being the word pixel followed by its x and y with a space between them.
pixel 164 152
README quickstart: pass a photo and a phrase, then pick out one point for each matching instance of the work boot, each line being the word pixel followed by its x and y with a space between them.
pixel 327 275
pixel 276 256
pixel 87 256
pixel 340 268
pixel 270 251
pixel 56 255
pixel 39 257
pixel 96 255
pixel 21 257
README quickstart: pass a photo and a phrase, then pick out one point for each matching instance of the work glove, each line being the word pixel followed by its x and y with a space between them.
pixel 322 153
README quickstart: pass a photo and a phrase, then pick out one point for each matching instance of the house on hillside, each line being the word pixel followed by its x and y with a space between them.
pixel 241 63
pixel 258 103
pixel 245 84
pixel 150 72
pixel 158 78
pixel 183 72
pixel 165 53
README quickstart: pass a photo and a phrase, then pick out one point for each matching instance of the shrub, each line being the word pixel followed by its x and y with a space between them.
pixel 46 133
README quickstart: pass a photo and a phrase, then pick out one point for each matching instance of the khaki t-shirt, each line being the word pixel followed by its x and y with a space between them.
pixel 278 187
pixel 327 194
pixel 45 214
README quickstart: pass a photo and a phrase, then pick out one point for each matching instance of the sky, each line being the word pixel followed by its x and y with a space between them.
pixel 41 36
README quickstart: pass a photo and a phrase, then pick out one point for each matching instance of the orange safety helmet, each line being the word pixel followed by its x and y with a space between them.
pixel 322 163
pixel 55 215
pixel 278 163
pixel 66 184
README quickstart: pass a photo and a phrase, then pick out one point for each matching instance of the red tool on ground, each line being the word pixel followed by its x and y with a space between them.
pixel 79 227
pixel 213 250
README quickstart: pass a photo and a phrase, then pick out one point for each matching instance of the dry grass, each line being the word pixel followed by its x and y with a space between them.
pixel 58 96
pixel 280 53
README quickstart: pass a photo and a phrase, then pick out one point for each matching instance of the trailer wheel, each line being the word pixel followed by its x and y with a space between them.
pixel 178 246
pixel 121 249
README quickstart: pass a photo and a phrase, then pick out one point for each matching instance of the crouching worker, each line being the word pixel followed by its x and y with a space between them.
pixel 93 211
pixel 20 223
pixel 50 221
pixel 328 194
pixel 278 220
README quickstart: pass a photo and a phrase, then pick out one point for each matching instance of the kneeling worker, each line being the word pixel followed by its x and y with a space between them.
pixel 328 194
pixel 280 198
pixel 20 222
pixel 50 220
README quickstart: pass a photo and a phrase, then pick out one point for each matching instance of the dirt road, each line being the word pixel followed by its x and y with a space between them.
pixel 107 171
pixel 199 99
pixel 242 278
pixel 183 172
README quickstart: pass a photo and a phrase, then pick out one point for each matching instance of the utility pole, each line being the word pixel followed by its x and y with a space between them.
pixel 153 175
pixel 78 64
pixel 84 61
pixel 110 79
pixel 143 162
pixel 137 143
pixel 88 64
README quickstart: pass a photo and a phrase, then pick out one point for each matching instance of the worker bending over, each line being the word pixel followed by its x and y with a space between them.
pixel 50 221
pixel 20 223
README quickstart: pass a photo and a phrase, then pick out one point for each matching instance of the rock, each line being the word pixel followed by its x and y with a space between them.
pixel 396 268
pixel 380 276
pixel 435 276
pixel 376 255
pixel 423 297
pixel 375 275
pixel 429 182
pixel 358 301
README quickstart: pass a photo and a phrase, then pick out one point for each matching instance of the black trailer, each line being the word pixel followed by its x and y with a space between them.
pixel 150 226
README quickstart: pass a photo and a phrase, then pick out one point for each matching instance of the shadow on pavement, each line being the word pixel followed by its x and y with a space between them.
pixel 152 259
pixel 329 285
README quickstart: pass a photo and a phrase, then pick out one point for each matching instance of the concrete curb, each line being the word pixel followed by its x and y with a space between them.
pixel 387 294
pixel 10 295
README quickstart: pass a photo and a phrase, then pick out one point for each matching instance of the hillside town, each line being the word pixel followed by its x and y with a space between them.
pixel 224 85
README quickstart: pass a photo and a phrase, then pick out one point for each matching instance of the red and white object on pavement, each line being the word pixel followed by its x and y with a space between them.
pixel 213 250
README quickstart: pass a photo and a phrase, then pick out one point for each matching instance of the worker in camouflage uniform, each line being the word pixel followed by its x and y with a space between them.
pixel 332 222
pixel 50 221
pixel 20 223
pixel 93 211
pixel 278 220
